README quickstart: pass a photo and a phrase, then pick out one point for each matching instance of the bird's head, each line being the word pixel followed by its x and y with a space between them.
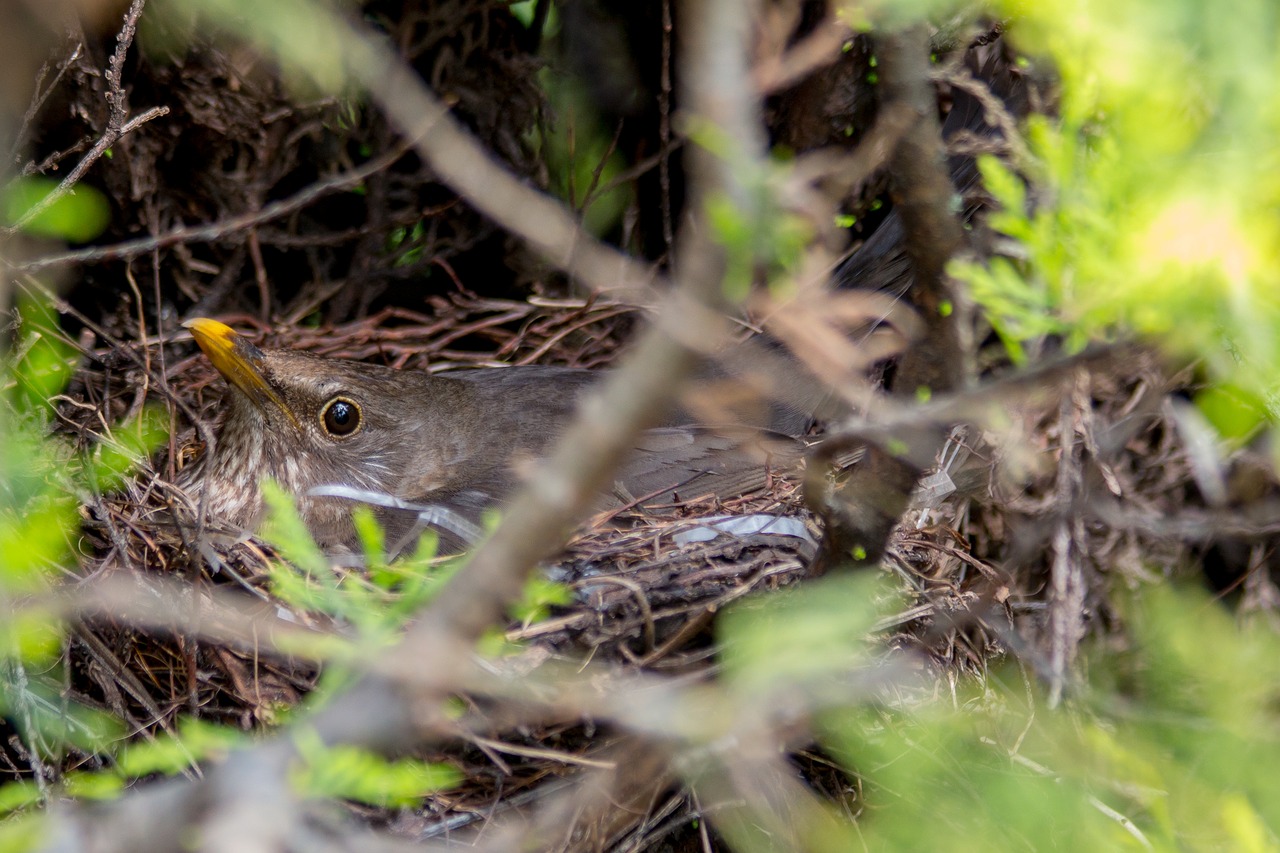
pixel 306 422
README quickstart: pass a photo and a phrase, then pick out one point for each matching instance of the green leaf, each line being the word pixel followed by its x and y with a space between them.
pixel 373 542
pixel 93 786
pixel 33 637
pixel 540 595
pixel 1234 412
pixel 19 795
pixel 362 776
pixel 26 833
pixel 1005 186
pixel 288 534
pixel 170 754
pixel 44 359
pixel 78 216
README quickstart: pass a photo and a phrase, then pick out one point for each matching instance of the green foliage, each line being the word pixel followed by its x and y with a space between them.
pixel 1156 193
pixel 360 775
pixel 312 56
pixel 78 216
pixel 172 753
pixel 524 11
pixel 43 481
pixel 405 244
pixel 1204 706
pixel 760 240
pixel 42 361
pixel 540 595
pixel 376 603
pixel 41 478
pixel 800 637
pixel 16 796
pixel 945 779
pixel 1172 745
pixel 167 754
pixel 1234 412
pixel 93 786
pixel 287 532
pixel 22 834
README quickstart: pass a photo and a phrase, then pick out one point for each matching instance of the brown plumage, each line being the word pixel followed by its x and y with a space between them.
pixel 458 442
pixel 461 442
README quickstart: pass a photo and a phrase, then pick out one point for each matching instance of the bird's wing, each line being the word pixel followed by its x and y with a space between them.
pixel 688 461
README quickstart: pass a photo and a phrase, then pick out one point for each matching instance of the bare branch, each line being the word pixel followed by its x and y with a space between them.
pixel 922 194
pixel 818 49
pixel 646 384
pixel 864 509
pixel 217 230
pixel 39 98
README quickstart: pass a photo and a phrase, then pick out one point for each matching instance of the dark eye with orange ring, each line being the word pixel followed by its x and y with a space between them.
pixel 341 417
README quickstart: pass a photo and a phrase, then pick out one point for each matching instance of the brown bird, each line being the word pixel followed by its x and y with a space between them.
pixel 422 449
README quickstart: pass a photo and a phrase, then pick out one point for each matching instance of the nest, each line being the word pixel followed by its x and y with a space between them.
pixel 973 568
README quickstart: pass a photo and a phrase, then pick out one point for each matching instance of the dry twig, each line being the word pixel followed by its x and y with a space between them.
pixel 118 122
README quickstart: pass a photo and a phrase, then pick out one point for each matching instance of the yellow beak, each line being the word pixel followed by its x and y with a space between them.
pixel 239 361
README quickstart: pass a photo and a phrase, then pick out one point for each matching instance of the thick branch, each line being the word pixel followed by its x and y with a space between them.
pixel 862 512
pixel 922 194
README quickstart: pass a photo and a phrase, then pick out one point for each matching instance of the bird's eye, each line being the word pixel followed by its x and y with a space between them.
pixel 341 417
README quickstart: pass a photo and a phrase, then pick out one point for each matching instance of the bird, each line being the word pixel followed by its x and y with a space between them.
pixel 440 449
pixel 425 449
